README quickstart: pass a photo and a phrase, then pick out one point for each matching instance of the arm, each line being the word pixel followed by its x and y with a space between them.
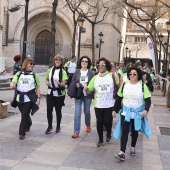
pixel 38 94
pixel 147 106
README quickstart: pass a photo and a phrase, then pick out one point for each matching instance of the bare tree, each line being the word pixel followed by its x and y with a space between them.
pixel 151 12
pixel 73 6
pixel 95 12
pixel 53 30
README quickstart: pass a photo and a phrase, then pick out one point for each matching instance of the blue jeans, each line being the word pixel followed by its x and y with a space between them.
pixel 78 111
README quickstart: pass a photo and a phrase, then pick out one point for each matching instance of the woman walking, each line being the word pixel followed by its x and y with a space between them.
pixel 82 77
pixel 55 80
pixel 102 85
pixel 27 86
pixel 136 100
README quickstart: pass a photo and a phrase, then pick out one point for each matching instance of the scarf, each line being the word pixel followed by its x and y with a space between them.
pixel 103 74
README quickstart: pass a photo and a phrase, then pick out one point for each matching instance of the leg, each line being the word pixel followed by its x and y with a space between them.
pixel 87 103
pixel 58 107
pixel 77 115
pixel 108 119
pixel 25 109
pixel 134 134
pixel 125 132
pixel 100 119
pixel 50 104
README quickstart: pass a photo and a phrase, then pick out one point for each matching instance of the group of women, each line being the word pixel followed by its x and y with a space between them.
pixel 132 103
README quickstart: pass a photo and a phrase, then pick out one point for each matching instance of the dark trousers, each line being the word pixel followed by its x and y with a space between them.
pixel 125 133
pixel 26 122
pixel 70 76
pixel 56 102
pixel 104 117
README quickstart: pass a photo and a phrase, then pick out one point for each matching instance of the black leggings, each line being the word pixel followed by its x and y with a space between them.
pixel 125 133
pixel 104 117
pixel 26 122
pixel 56 102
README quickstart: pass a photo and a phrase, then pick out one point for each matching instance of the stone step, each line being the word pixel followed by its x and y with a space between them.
pixel 4 84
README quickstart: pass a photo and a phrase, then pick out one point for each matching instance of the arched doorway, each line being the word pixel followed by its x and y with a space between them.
pixel 43 48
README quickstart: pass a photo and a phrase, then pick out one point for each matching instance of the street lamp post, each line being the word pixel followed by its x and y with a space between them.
pixel 16 8
pixel 129 55
pixel 160 42
pixel 126 49
pixel 100 39
pixel 167 50
pixel 120 45
pixel 80 22
pixel 25 31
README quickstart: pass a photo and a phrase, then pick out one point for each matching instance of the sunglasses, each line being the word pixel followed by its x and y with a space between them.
pixel 58 59
pixel 32 64
pixel 134 74
pixel 85 61
pixel 101 65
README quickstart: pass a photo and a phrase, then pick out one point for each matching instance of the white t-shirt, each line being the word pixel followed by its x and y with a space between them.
pixel 103 87
pixel 133 97
pixel 25 84
pixel 83 79
pixel 72 67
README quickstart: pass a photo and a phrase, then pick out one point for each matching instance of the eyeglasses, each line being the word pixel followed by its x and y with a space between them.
pixel 85 61
pixel 134 74
pixel 58 59
pixel 101 65
pixel 32 64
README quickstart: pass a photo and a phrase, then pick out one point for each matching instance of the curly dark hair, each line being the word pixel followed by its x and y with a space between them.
pixel 107 62
pixel 89 61
pixel 138 70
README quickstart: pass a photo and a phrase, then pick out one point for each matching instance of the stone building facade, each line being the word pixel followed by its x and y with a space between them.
pixel 39 32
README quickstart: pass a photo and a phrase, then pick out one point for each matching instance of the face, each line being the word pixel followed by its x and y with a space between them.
pixel 30 66
pixel 84 63
pixel 73 59
pixel 121 64
pixel 102 67
pixel 133 75
pixel 57 62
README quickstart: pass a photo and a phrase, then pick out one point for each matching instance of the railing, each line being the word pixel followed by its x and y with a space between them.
pixel 164 84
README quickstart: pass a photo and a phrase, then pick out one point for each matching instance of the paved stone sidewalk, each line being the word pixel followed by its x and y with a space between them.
pixel 60 152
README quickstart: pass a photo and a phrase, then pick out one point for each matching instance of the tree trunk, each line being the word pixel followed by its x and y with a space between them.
pixel 93 46
pixel 74 34
pixel 53 31
pixel 168 97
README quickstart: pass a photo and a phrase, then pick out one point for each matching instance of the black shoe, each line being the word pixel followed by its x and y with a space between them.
pixel 49 130
pixel 57 130
pixel 119 156
pixel 99 144
pixel 132 152
pixel 108 138
pixel 27 130
pixel 22 137
pixel 34 109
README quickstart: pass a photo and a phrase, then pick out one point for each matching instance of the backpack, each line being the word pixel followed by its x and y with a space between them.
pixel 115 90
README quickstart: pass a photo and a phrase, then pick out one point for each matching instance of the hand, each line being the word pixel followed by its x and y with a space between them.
pixel 12 85
pixel 77 85
pixel 38 101
pixel 144 113
pixel 47 83
pixel 114 114
pixel 85 88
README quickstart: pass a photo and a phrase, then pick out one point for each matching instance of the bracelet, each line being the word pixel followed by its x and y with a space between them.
pixel 39 97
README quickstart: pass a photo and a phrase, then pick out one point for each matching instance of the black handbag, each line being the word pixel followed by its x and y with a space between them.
pixel 14 102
